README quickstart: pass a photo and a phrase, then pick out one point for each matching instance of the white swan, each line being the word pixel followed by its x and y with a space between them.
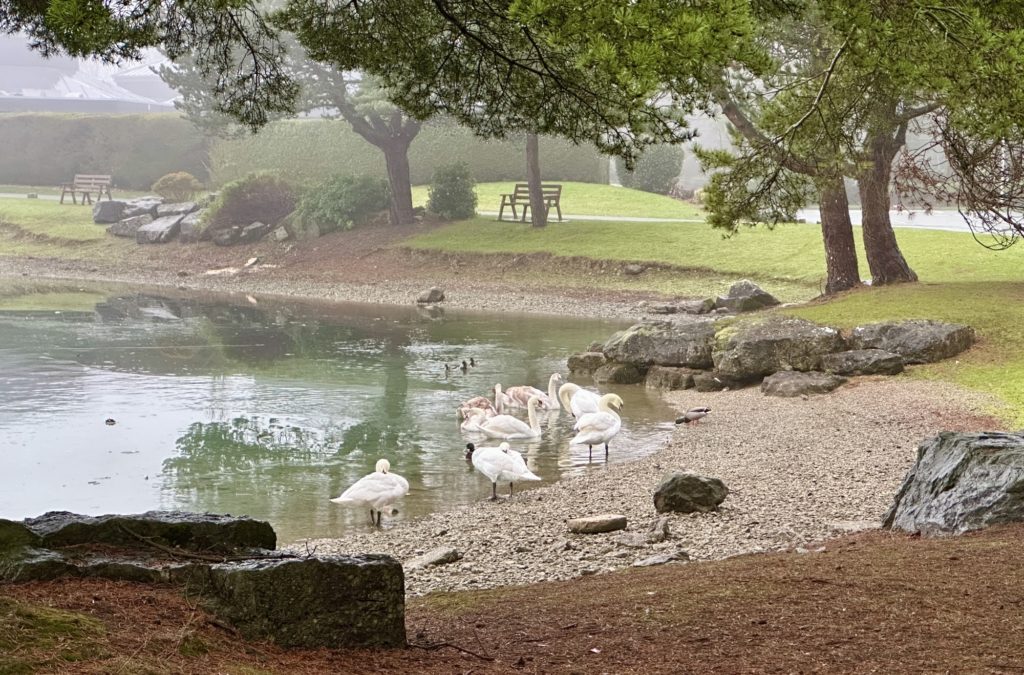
pixel 507 427
pixel 599 427
pixel 499 464
pixel 377 490
pixel 474 419
pixel 578 400
pixel 518 397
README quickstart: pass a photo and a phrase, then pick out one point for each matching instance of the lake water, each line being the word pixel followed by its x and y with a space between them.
pixel 269 407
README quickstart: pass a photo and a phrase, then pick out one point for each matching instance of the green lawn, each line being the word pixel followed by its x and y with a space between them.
pixel 587 199
pixel 116 192
pixel 790 253
pixel 51 219
pixel 994 365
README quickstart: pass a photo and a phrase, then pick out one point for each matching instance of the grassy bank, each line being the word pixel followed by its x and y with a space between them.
pixel 587 199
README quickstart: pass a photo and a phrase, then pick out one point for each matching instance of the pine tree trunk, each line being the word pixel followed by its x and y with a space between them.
pixel 538 214
pixel 396 157
pixel 883 252
pixel 837 232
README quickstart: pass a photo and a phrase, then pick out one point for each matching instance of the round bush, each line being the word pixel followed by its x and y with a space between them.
pixel 259 197
pixel 342 202
pixel 451 193
pixel 180 186
pixel 655 171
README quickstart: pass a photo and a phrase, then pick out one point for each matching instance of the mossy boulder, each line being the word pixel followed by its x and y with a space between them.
pixel 917 341
pixel 745 296
pixel 664 343
pixel 175 529
pixel 586 362
pixel 670 378
pixel 327 601
pixel 863 362
pixel 753 349
pixel 619 373
pixel 792 383
pixel 687 492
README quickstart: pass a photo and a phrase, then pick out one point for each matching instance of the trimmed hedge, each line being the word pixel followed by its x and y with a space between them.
pixel 308 151
pixel 50 148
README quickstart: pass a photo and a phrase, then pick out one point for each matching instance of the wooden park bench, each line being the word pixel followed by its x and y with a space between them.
pixel 520 198
pixel 86 185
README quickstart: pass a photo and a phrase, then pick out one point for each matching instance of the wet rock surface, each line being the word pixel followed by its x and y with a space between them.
pixel 664 343
pixel 961 482
pixel 754 349
pixel 863 362
pixel 687 492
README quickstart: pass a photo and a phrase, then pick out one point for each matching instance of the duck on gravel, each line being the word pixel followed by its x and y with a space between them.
pixel 599 427
pixel 376 490
pixel 693 415
pixel 499 464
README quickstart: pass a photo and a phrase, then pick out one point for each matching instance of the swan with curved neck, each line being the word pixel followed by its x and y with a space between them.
pixel 499 464
pixel 507 427
pixel 599 427
pixel 519 396
pixel 474 418
pixel 577 400
pixel 376 490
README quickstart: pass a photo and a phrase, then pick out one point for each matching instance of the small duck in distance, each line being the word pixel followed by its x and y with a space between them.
pixel 464 367
pixel 472 362
pixel 447 370
pixel 693 415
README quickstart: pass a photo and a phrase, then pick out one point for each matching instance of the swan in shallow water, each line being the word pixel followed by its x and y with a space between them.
pixel 474 418
pixel 507 427
pixel 376 490
pixel 578 400
pixel 480 402
pixel 499 464
pixel 519 397
pixel 599 427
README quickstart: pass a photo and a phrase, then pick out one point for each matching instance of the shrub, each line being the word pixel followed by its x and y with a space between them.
pixel 180 186
pixel 451 193
pixel 258 196
pixel 342 202
pixel 655 171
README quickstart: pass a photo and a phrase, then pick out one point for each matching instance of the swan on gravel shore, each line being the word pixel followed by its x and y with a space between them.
pixel 499 464
pixel 377 489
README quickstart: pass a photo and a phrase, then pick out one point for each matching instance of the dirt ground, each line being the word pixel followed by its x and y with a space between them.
pixel 873 602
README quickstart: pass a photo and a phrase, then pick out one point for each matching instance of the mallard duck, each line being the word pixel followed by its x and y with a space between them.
pixel 578 400
pixel 507 427
pixel 377 490
pixel 499 464
pixel 599 427
pixel 693 415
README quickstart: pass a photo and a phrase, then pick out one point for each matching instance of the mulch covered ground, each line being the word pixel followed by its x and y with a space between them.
pixel 869 603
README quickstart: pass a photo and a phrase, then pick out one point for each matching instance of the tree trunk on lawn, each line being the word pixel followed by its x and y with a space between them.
pixel 396 157
pixel 883 252
pixel 843 272
pixel 538 214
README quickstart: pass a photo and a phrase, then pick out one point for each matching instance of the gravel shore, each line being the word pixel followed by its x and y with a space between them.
pixel 799 471
pixel 461 293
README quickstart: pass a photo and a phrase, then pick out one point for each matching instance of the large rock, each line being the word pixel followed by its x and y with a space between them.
pixel 34 564
pixel 618 373
pixel 586 362
pixel 670 378
pixel 330 601
pixel 688 492
pixel 664 343
pixel 178 209
pixel 129 226
pixel 160 231
pixel 108 212
pixel 751 350
pixel 790 383
pixel 227 236
pixel 431 295
pixel 606 522
pixel 863 362
pixel 712 380
pixel 917 341
pixel 141 206
pixel 15 536
pixel 960 482
pixel 191 228
pixel 254 232
pixel 175 529
pixel 745 296
pixel 663 558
